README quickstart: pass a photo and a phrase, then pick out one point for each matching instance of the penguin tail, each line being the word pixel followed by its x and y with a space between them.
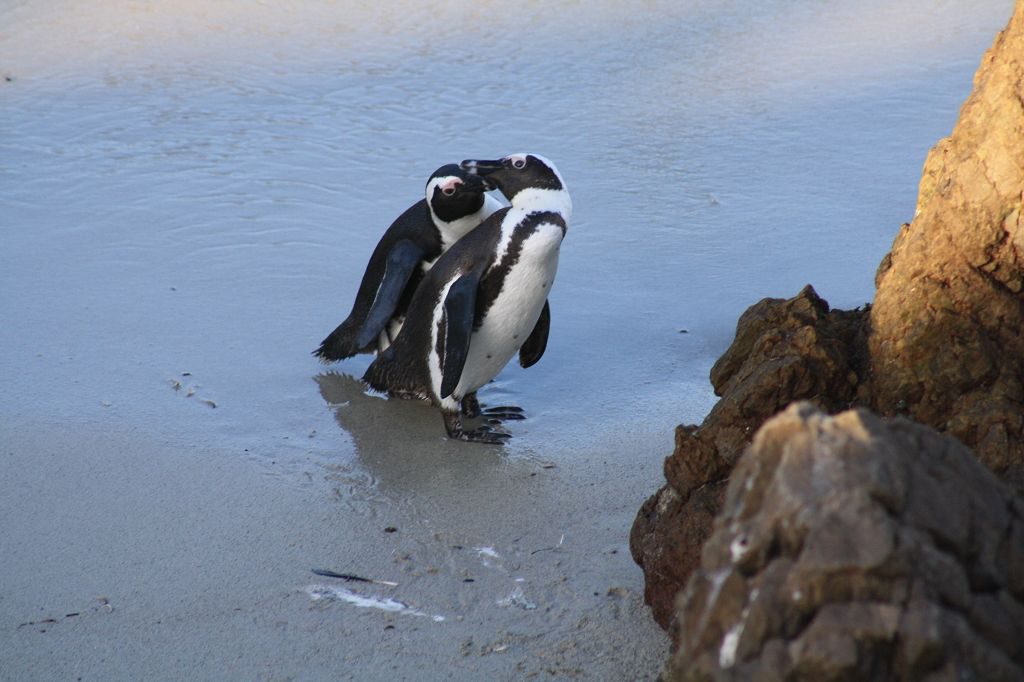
pixel 380 374
pixel 388 374
pixel 339 344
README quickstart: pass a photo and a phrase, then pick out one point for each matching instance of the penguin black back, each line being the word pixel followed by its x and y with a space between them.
pixel 455 202
pixel 404 368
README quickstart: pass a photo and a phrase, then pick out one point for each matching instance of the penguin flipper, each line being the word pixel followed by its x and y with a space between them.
pixel 403 258
pixel 532 350
pixel 459 310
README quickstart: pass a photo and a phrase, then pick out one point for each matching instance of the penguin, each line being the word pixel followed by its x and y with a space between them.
pixel 484 300
pixel 455 203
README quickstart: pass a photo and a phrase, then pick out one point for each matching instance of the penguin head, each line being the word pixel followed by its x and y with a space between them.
pixel 454 193
pixel 516 172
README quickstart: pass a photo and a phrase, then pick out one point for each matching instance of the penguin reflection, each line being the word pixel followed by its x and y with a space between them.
pixel 397 441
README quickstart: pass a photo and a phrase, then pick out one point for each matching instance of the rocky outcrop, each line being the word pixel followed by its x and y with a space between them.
pixel 785 350
pixel 947 346
pixel 832 560
pixel 943 342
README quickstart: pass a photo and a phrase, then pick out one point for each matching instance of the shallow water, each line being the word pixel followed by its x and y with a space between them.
pixel 188 195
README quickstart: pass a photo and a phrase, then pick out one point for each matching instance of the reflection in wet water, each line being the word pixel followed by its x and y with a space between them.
pixel 402 445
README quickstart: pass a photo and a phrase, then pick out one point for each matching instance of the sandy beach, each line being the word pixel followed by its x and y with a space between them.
pixel 132 559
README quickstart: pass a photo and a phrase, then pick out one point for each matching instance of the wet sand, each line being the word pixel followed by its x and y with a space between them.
pixel 127 558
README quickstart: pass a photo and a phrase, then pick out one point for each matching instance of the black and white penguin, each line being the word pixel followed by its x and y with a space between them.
pixel 455 203
pixel 484 300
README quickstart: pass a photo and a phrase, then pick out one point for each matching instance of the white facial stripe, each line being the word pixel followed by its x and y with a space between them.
pixel 542 159
pixel 455 230
pixel 442 183
pixel 554 170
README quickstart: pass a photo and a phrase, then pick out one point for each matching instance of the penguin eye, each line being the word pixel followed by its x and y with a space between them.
pixel 519 163
pixel 448 191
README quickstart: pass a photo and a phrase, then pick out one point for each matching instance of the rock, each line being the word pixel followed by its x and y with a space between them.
pixel 784 350
pixel 824 564
pixel 942 344
pixel 666 540
pixel 947 338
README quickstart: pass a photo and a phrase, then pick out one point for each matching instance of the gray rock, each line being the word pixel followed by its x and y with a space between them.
pixel 852 548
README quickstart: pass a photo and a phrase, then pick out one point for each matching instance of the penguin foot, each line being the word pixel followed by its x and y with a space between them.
pixel 503 413
pixel 405 395
pixel 470 406
pixel 481 434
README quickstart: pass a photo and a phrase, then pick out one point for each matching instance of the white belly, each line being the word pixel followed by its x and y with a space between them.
pixel 515 311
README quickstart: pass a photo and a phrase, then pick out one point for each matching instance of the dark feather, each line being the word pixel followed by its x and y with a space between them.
pixel 537 341
pixel 459 306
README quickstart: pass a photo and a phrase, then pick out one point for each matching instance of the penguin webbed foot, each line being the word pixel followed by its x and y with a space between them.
pixel 471 408
pixel 496 415
pixel 481 434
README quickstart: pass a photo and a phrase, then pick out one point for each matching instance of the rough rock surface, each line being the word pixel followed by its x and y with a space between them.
pixel 943 343
pixel 832 560
pixel 785 350
pixel 947 342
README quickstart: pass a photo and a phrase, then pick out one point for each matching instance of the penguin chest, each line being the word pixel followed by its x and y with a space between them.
pixel 514 312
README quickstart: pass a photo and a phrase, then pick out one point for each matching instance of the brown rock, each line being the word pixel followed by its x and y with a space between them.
pixel 785 350
pixel 947 342
pixel 847 585
pixel 668 534
pixel 943 343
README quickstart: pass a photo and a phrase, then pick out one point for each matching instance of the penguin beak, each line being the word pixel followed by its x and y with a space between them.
pixel 477 167
pixel 476 183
